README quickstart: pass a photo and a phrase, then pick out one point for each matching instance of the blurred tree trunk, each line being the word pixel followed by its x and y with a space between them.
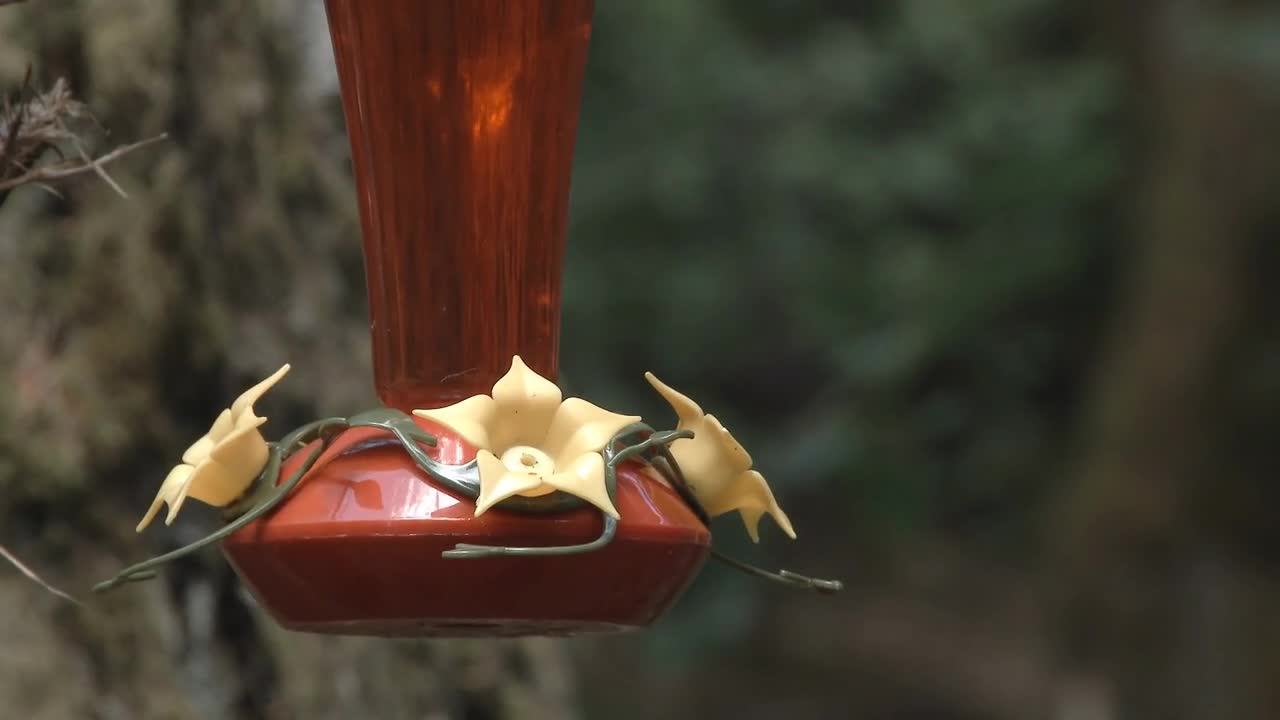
pixel 1157 608
pixel 127 325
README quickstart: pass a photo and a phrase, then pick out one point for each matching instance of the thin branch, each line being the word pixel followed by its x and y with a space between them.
pixel 58 171
pixel 97 167
pixel 4 552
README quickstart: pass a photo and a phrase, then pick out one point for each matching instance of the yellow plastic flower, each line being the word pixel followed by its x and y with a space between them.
pixel 717 467
pixel 530 443
pixel 219 467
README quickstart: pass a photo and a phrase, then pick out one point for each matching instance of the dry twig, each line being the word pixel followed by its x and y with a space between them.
pixel 34 124
pixel 4 552
pixel 58 171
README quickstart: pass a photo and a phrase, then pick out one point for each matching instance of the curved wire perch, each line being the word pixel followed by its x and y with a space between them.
pixel 614 456
pixel 265 496
pixel 406 432
pixel 666 464
pixel 467 551
pixel 143 571
pixel 395 422
pixel 784 577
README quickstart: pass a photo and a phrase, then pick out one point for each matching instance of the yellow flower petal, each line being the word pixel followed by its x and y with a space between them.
pixel 734 454
pixel 585 478
pixel 247 398
pixel 222 477
pixel 172 491
pixel 470 418
pixel 497 483
pixel 717 467
pixel 223 426
pixel 710 461
pixel 247 420
pixel 749 494
pixel 232 467
pixel 181 490
pixel 580 427
pixel 198 451
pixel 526 403
pixel 218 485
pixel 221 465
pixel 686 410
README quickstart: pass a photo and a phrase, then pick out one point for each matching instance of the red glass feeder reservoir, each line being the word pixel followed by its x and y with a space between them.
pixel 462 116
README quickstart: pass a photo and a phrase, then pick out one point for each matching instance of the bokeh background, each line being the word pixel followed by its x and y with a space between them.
pixel 985 286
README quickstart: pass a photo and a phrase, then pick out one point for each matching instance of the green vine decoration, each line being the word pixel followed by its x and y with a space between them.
pixel 634 442
pixel 267 492
pixel 618 451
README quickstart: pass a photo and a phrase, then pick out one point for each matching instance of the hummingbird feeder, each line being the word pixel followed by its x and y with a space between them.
pixel 478 500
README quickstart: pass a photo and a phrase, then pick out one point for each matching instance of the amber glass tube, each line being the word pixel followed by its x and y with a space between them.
pixel 462 116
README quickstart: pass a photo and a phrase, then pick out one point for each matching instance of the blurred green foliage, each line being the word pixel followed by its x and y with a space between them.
pixel 875 237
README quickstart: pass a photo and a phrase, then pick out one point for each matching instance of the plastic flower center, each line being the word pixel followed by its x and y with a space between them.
pixel 528 460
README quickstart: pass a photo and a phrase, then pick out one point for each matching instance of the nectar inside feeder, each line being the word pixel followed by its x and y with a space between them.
pixel 479 500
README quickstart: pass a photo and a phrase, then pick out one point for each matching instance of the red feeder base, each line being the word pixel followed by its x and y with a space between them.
pixel 356 550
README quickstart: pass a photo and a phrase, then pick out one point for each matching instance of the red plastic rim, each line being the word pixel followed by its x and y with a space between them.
pixel 356 550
